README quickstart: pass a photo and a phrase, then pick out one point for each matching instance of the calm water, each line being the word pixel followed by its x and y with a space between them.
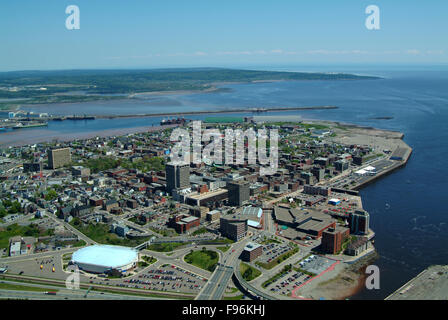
pixel 411 230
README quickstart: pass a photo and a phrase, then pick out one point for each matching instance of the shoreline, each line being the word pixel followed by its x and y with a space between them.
pixel 256 110
pixel 186 113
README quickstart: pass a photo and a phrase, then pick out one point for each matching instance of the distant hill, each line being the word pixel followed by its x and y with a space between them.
pixel 41 85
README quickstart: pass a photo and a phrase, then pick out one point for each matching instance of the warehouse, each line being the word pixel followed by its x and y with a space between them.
pixel 104 258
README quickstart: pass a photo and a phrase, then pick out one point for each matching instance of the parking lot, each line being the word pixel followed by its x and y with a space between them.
pixel 272 251
pixel 288 282
pixel 166 278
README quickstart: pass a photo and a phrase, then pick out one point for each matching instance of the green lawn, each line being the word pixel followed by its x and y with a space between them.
pixel 221 240
pixel 268 241
pixel 18 287
pixel 224 120
pixel 12 230
pixel 100 233
pixel 239 297
pixel 248 272
pixel 165 247
pixel 204 259
pixel 223 249
pixel 149 260
pixel 200 231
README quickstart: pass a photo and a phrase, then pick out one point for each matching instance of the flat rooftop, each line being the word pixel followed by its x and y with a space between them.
pixel 205 195
pixel 250 246
pixel 105 255
pixel 189 219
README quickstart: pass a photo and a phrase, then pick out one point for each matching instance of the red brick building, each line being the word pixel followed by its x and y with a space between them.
pixel 251 251
pixel 333 238
pixel 183 223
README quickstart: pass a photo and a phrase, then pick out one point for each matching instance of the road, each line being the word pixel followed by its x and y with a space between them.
pixel 71 228
pixel 62 293
pixel 215 287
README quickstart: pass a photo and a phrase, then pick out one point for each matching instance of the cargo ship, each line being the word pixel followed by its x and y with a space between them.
pixel 165 122
pixel 20 125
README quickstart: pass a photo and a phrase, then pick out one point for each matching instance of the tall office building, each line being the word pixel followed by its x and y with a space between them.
pixel 58 157
pixel 177 176
pixel 359 222
pixel 238 192
pixel 233 228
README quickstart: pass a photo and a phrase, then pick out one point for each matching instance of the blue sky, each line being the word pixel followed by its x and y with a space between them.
pixel 145 33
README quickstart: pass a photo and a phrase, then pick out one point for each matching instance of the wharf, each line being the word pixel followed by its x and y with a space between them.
pixel 430 284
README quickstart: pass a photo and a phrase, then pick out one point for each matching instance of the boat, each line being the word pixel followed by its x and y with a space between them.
pixel 31 125
pixel 165 122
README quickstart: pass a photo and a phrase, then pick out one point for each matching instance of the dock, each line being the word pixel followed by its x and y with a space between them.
pixel 430 284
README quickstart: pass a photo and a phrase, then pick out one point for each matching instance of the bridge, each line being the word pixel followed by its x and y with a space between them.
pixel 145 244
pixel 215 287
pixel 250 288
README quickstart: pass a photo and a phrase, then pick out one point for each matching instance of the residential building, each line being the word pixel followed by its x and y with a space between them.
pixel 58 157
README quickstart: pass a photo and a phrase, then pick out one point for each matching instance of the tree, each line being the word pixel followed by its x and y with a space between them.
pixel 15 207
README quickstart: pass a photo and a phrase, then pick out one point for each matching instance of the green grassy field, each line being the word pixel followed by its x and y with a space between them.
pixel 15 230
pixel 248 272
pixel 204 259
pixel 165 247
pixel 224 120
pixel 18 287
pixel 100 233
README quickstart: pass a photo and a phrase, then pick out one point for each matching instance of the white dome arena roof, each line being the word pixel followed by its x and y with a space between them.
pixel 105 256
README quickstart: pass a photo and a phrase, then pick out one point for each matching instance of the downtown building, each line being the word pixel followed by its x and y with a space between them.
pixel 359 222
pixel 232 228
pixel 239 192
pixel 177 176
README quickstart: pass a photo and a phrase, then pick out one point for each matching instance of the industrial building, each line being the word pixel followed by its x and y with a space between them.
pixel 183 223
pixel 105 258
pixel 302 223
pixel 207 199
pixel 21 245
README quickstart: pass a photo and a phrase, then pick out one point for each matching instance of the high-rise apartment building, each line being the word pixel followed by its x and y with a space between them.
pixel 58 157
